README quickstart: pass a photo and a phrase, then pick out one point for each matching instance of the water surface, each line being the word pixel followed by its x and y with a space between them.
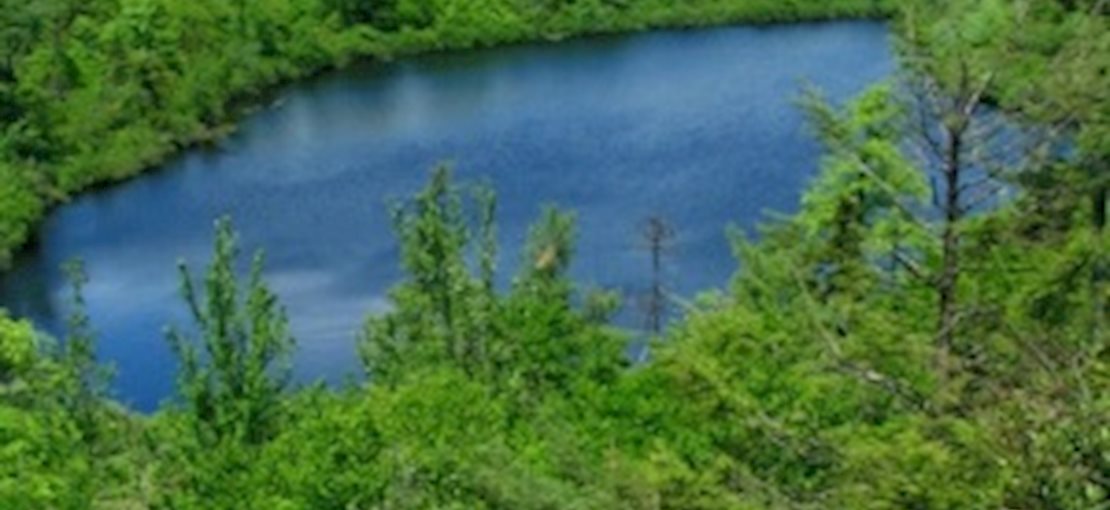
pixel 698 127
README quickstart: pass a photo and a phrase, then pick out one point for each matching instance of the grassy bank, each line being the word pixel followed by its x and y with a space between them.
pixel 96 92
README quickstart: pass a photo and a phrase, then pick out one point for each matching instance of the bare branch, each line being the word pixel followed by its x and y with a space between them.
pixel 980 198
pixel 976 97
pixel 912 266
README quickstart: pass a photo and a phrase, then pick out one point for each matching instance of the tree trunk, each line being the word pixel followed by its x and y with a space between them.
pixel 1098 207
pixel 950 271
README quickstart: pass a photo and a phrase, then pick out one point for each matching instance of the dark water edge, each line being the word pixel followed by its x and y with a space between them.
pixel 698 127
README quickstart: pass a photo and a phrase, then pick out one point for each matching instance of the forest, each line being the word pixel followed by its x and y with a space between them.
pixel 927 331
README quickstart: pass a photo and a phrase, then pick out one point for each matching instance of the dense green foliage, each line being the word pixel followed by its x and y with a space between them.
pixel 95 91
pixel 895 344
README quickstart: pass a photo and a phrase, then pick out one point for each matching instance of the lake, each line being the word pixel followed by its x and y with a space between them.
pixel 697 127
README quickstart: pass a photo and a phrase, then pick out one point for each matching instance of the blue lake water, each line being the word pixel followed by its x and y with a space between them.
pixel 698 127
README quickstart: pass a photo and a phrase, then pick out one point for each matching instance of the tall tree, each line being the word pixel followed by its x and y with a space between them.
pixel 232 385
pixel 433 319
pixel 658 237
pixel 86 386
